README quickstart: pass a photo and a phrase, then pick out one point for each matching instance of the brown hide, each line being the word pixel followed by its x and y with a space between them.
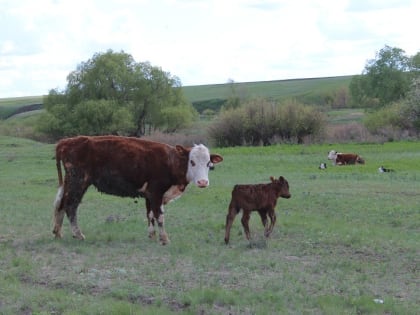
pixel 348 158
pixel 257 197
pixel 121 166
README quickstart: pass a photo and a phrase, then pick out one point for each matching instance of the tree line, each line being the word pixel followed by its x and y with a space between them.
pixel 111 93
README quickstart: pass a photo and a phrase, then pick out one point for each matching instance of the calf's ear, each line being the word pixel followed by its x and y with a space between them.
pixel 216 158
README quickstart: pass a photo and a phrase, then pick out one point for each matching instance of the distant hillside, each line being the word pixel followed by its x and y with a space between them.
pixel 309 90
pixel 16 105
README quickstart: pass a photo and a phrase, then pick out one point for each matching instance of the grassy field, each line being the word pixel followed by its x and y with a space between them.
pixel 281 89
pixel 347 237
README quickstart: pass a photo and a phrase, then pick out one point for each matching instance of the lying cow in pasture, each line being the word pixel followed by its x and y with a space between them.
pixel 345 158
pixel 257 197
pixel 127 167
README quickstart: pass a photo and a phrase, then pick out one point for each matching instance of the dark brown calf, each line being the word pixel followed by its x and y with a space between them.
pixel 258 197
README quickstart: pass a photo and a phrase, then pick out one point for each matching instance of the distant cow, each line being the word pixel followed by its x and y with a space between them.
pixel 344 158
pixel 257 197
pixel 127 167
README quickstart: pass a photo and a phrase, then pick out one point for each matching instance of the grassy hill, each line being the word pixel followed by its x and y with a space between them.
pixel 279 89
pixel 15 105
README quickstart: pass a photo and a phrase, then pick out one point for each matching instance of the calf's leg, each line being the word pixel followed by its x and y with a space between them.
pixel 272 216
pixel 263 215
pixel 245 223
pixel 230 217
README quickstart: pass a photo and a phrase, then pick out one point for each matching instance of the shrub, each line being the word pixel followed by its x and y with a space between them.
pixel 262 122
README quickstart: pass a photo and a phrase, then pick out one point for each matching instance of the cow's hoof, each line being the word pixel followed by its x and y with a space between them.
pixel 164 239
pixel 152 235
pixel 57 235
pixel 79 237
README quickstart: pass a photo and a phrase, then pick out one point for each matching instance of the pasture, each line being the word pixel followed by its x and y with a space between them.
pixel 347 242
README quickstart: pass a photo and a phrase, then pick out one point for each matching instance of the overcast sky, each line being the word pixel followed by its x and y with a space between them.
pixel 200 41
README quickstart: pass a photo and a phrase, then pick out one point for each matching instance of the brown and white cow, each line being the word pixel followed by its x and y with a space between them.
pixel 338 158
pixel 127 167
pixel 256 197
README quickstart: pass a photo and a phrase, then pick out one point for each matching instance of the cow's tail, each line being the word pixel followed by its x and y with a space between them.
pixel 58 164
pixel 58 214
pixel 59 195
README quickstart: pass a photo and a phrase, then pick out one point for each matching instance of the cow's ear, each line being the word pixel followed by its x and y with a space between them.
pixel 272 179
pixel 216 158
pixel 182 149
pixel 281 179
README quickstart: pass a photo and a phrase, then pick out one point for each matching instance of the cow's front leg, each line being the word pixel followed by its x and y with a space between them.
pixel 157 213
pixel 163 237
pixel 150 220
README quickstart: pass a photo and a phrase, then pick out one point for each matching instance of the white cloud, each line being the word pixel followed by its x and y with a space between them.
pixel 200 41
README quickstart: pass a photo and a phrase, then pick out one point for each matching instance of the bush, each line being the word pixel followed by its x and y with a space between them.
pixel 262 122
pixel 392 122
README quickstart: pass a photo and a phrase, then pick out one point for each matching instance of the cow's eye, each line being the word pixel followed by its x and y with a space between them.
pixel 192 163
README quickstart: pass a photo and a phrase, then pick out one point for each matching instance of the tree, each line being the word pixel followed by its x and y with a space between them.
pixel 384 80
pixel 112 94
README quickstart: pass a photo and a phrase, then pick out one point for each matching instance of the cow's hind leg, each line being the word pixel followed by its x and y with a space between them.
pixel 75 186
pixel 58 213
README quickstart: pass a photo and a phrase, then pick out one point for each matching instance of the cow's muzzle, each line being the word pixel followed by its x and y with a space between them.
pixel 202 183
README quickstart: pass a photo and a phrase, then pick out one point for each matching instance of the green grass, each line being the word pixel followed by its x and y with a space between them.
pixel 345 116
pixel 347 236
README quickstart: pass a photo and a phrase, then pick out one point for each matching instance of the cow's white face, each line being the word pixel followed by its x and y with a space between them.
pixel 332 155
pixel 198 166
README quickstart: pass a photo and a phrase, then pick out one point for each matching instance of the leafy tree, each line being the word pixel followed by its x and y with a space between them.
pixel 112 94
pixel 384 80
pixel 415 63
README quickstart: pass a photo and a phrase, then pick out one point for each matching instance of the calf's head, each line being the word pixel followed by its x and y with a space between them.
pixel 281 186
pixel 199 162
